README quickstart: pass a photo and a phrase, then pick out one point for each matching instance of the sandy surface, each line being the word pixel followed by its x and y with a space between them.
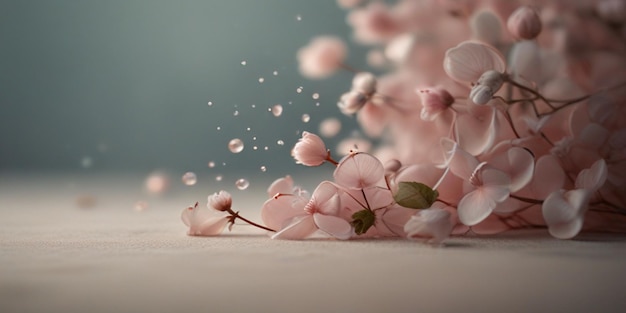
pixel 56 257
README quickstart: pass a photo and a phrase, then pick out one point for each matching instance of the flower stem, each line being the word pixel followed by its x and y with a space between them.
pixel 236 215
pixel 527 200
pixel 330 159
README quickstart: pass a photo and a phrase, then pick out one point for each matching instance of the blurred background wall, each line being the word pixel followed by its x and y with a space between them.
pixel 124 85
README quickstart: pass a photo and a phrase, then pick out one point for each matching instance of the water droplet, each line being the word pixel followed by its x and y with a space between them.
pixel 189 179
pixel 242 184
pixel 255 147
pixel 211 164
pixel 235 145
pixel 266 148
pixel 218 178
pixel 244 62
pixel 330 127
pixel 263 168
pixel 210 103
pixel 298 17
pixel 253 106
pixel 141 206
pixel 219 127
pixel 280 143
pixel 254 138
pixel 275 73
pixel 247 128
pixel 306 118
pixel 315 96
pixel 223 163
pixel 317 104
pixel 236 113
pixel 86 162
pixel 261 80
pixel 277 110
pixel 299 89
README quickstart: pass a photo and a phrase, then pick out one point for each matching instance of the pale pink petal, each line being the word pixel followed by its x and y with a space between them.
pixel 334 226
pixel 395 217
pixel 593 136
pixel 322 56
pixel 594 177
pixel 299 228
pixel 277 211
pixel 524 23
pixel 359 170
pixel 461 163
pixel 469 60
pixel 486 26
pixel 325 199
pixel 282 185
pixel 525 60
pixel 433 224
pixel 496 183
pixel 364 82
pixel 475 207
pixel 549 176
pixel 476 131
pixel 378 197
pixel 563 212
pixel 211 227
pixel 490 226
pixel 566 230
pixel 310 150
pixel 518 163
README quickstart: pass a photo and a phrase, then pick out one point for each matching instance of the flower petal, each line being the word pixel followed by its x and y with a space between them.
pixel 276 211
pixel 300 228
pixel 461 163
pixel 475 207
pixel 549 176
pixel 476 130
pixel 282 185
pixel 359 170
pixel 467 61
pixel 325 199
pixel 334 226
pixel 211 227
pixel 563 212
pixel 594 177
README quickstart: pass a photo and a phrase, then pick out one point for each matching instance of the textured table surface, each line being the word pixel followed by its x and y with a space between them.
pixel 57 257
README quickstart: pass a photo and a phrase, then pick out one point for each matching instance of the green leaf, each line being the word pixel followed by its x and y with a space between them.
pixel 415 195
pixel 362 221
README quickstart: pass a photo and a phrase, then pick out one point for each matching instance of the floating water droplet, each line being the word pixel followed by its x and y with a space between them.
pixel 211 164
pixel 306 118
pixel 299 89
pixel 266 148
pixel 236 113
pixel 263 168
pixel 235 145
pixel 219 178
pixel 141 206
pixel 261 80
pixel 223 163
pixel 242 184
pixel 315 96
pixel 244 62
pixel 247 128
pixel 253 106
pixel 277 110
pixel 275 73
pixel 254 138
pixel 255 147
pixel 189 179
pixel 86 162
pixel 280 143
pixel 219 128
pixel 330 127
pixel 298 17
pixel 210 103
pixel 317 104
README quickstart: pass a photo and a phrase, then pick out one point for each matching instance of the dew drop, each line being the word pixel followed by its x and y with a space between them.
pixel 247 128
pixel 263 168
pixel 211 164
pixel 317 104
pixel 254 138
pixel 253 106
pixel 299 89
pixel 219 127
pixel 298 17
pixel 255 147
pixel 261 80
pixel 315 96
pixel 189 179
pixel 330 127
pixel 236 113
pixel 242 184
pixel 86 162
pixel 210 103
pixel 244 62
pixel 218 178
pixel 235 145
pixel 306 118
pixel 280 143
pixel 277 110
pixel 266 148
pixel 275 73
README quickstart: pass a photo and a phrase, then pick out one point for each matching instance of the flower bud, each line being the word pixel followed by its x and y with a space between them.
pixel 524 23
pixel 392 166
pixel 310 150
pixel 351 102
pixel 488 84
pixel 220 201
pixel 364 82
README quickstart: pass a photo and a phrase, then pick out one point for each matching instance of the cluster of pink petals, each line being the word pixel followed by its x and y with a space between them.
pixel 322 57
pixel 210 220
pixel 310 150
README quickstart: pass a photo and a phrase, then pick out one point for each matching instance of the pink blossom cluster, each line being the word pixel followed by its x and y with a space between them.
pixel 493 115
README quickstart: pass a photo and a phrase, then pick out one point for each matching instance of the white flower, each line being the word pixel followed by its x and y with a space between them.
pixel 432 224
pixel 220 201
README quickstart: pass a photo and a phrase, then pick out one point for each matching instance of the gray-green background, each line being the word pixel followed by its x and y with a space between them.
pixel 125 83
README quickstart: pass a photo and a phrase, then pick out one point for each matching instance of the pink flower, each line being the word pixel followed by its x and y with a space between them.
pixel 310 150
pixel 524 23
pixel 352 101
pixel 564 212
pixel 365 83
pixel 204 221
pixel 221 201
pixel 466 62
pixel 373 24
pixel 433 224
pixel 434 101
pixel 319 213
pixel 359 170
pixel 321 57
